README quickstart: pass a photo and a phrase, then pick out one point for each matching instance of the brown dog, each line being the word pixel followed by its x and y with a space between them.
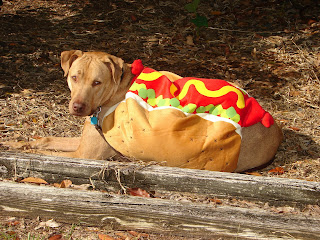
pixel 98 79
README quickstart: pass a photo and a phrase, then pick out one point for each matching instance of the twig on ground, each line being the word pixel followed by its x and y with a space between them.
pixel 243 31
pixel 118 177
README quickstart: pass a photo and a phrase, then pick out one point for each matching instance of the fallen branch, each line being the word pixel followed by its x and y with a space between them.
pixel 150 214
pixel 117 175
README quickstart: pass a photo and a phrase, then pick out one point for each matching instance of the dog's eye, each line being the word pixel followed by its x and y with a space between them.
pixel 74 78
pixel 96 83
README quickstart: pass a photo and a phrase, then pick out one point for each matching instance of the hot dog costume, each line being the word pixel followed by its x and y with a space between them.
pixel 191 122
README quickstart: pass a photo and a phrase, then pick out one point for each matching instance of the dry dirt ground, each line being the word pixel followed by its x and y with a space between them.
pixel 270 48
pixel 35 229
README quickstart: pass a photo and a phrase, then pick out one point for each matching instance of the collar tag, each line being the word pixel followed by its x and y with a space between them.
pixel 94 119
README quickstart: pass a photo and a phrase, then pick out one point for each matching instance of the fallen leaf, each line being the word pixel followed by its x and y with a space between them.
pixel 254 53
pixel 283 120
pixel 121 234
pixel 190 40
pixel 216 13
pixel 294 93
pixel 26 92
pixel 253 173
pixel 153 39
pixel 65 183
pixel 295 128
pixel 36 137
pixel 227 50
pixel 13 223
pixel 277 170
pixel 133 18
pixel 133 233
pixel 145 235
pixel 242 24
pixel 105 237
pixel 55 237
pixel 50 223
pixel 246 2
pixel 311 21
pixel 216 201
pixel 138 192
pixel 82 186
pixel 285 209
pixel 12 235
pixel 312 209
pixel 256 35
pixel 34 180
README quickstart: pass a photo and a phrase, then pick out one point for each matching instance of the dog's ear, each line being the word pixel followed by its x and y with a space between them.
pixel 67 58
pixel 115 66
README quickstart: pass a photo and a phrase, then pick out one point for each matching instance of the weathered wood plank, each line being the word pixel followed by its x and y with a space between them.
pixel 215 184
pixel 150 214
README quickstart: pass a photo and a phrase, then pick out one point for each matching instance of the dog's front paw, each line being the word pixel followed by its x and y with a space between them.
pixel 16 145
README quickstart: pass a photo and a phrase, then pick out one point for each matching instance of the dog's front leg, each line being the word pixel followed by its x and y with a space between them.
pixel 66 144
pixel 92 145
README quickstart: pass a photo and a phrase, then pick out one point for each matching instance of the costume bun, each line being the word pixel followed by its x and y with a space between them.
pixel 191 122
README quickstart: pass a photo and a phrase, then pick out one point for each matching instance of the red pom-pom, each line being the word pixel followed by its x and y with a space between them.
pixel 137 67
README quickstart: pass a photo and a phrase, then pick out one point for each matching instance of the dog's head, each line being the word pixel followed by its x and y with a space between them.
pixel 93 78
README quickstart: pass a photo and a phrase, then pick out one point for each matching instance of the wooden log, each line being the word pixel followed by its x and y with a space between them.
pixel 149 214
pixel 111 175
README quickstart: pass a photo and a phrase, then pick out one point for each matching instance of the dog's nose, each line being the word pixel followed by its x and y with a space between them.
pixel 78 107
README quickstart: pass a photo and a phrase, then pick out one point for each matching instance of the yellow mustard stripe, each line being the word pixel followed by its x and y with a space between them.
pixel 173 88
pixel 201 88
pixel 136 86
pixel 149 76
